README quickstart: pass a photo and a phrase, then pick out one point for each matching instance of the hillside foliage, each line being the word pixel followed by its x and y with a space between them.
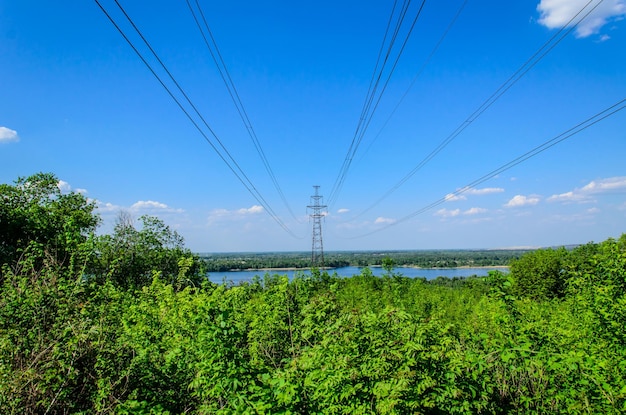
pixel 126 324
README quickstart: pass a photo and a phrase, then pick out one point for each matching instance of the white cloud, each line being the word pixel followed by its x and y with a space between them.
pixel 110 212
pixel 520 200
pixel 343 210
pixel 220 215
pixel 251 210
pixel 451 197
pixel 107 207
pixel 485 191
pixel 138 208
pixel 148 204
pixel 605 185
pixel 566 197
pixel 448 213
pixel 65 187
pixel 475 211
pixel 151 207
pixel 382 220
pixel 451 213
pixel 557 13
pixel 461 194
pixel 585 193
pixel 8 135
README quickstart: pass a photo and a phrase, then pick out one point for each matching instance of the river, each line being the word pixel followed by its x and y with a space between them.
pixel 428 273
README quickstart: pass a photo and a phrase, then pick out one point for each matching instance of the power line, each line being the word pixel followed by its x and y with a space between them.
pixel 234 94
pixel 371 114
pixel 369 92
pixel 609 111
pixel 417 75
pixel 237 171
pixel 501 90
pixel 368 110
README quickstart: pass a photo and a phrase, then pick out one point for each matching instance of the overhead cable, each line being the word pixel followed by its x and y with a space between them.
pixel 516 76
pixel 609 111
pixel 369 92
pixel 373 98
pixel 214 51
pixel 417 75
pixel 234 167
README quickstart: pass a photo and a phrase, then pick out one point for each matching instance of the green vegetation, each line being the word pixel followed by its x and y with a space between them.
pixel 126 324
pixel 35 213
pixel 424 259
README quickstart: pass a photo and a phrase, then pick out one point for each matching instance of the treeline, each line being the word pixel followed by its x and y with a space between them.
pixel 76 337
pixel 240 262
pixel 300 260
pixel 40 223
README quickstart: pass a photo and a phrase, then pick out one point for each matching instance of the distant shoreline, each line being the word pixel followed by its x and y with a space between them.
pixel 462 266
pixel 276 269
pixel 269 269
pixel 359 266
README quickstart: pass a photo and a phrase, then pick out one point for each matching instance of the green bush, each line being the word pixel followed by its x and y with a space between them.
pixel 540 274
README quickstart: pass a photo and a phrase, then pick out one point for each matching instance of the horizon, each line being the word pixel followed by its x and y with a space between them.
pixel 382 251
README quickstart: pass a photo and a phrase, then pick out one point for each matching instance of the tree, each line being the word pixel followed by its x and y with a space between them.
pixel 34 211
pixel 130 257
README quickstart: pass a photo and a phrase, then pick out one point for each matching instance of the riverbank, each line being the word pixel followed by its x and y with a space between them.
pixel 293 269
pixel 410 272
pixel 459 267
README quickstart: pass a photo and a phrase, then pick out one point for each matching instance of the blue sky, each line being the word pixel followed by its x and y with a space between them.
pixel 78 102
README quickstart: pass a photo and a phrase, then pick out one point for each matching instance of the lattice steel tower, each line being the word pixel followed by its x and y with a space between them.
pixel 318 212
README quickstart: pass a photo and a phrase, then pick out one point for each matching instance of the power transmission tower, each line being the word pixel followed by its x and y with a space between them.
pixel 318 212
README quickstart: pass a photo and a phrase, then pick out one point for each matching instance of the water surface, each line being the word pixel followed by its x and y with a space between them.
pixel 428 273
